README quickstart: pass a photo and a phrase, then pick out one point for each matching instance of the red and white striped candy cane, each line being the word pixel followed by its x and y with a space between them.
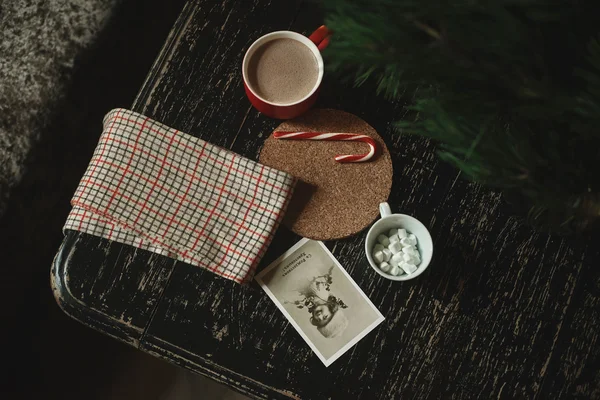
pixel 334 136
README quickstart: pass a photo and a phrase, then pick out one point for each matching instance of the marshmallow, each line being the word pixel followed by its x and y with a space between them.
pixel 404 266
pixel 397 258
pixel 395 247
pixel 395 271
pixel 385 267
pixel 409 250
pixel 412 240
pixel 407 241
pixel 387 254
pixel 408 268
pixel 383 240
pixel 409 258
pixel 397 251
pixel 378 256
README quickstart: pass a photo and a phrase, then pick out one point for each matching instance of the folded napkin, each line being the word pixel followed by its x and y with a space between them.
pixel 153 187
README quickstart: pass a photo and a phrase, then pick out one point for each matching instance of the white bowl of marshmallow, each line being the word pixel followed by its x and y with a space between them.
pixel 398 246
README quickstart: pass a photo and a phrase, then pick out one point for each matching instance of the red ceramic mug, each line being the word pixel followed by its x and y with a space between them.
pixel 316 42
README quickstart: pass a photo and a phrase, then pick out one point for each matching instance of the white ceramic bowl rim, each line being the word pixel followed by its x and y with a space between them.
pixel 375 229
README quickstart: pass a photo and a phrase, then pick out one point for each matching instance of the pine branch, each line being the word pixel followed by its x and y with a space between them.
pixel 515 89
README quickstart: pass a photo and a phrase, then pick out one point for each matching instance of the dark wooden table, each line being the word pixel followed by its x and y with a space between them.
pixel 501 312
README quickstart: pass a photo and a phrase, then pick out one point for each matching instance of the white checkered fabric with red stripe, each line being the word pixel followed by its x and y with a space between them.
pixel 153 187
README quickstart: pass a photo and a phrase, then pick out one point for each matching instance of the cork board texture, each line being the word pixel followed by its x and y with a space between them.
pixel 332 200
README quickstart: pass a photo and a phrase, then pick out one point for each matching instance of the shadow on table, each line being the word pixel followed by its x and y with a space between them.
pixel 53 354
pixel 303 192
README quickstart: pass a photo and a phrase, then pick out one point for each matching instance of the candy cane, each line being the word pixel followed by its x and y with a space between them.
pixel 334 136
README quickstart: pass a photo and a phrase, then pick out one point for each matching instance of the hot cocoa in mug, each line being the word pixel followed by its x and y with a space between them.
pixel 283 70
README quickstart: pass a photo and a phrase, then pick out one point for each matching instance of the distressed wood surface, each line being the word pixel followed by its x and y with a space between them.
pixel 502 311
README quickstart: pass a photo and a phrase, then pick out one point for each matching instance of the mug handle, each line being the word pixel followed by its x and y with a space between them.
pixel 320 37
pixel 385 210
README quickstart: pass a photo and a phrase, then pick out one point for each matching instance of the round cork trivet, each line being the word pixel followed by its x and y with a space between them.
pixel 332 200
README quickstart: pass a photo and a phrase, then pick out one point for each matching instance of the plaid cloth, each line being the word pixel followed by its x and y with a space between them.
pixel 158 189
